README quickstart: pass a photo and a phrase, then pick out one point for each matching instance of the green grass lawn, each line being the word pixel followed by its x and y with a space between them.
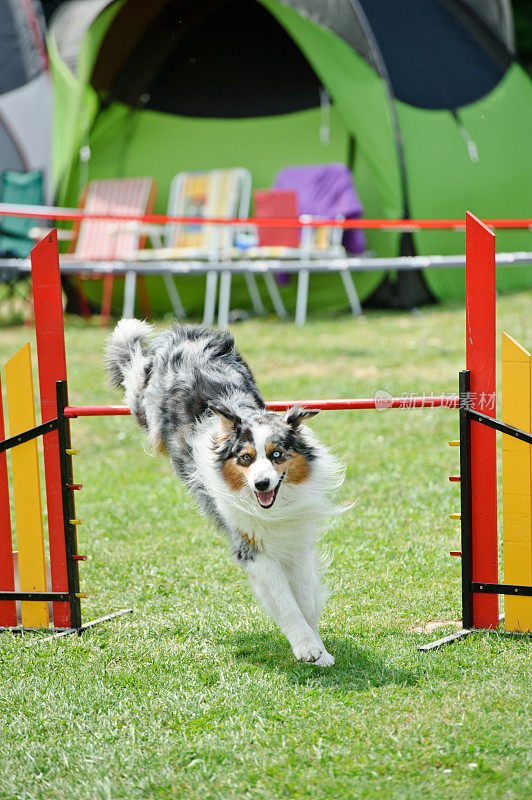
pixel 197 694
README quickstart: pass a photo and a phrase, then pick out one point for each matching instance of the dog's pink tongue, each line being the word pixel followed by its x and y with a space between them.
pixel 265 498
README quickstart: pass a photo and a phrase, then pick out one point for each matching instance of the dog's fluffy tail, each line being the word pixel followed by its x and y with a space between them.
pixel 125 350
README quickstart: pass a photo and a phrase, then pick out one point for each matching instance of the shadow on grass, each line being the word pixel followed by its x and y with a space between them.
pixel 355 668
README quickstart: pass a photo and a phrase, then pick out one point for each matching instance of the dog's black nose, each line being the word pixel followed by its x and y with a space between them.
pixel 262 486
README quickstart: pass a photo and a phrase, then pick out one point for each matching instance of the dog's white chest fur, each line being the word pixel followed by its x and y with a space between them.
pixel 295 521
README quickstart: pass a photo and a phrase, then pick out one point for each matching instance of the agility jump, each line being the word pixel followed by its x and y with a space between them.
pixel 477 478
pixel 27 567
pixel 478 460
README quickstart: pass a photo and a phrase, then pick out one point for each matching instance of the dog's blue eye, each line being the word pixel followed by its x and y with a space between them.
pixel 276 455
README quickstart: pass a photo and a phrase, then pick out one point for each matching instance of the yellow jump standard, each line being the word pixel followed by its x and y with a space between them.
pixel 516 481
pixel 26 487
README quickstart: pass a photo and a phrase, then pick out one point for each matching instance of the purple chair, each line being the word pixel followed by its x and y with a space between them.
pixel 325 191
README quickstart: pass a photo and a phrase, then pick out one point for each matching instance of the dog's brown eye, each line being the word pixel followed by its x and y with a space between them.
pixel 245 459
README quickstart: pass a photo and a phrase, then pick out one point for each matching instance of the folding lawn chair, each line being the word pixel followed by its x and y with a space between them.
pixel 324 191
pixel 24 188
pixel 310 192
pixel 100 240
pixel 215 193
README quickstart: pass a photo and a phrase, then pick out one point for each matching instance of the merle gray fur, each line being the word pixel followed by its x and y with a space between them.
pixel 178 383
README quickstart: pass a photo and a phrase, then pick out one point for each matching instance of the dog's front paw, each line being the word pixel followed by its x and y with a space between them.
pixel 307 648
pixel 325 660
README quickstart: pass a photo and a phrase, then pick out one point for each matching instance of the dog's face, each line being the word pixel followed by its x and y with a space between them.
pixel 263 452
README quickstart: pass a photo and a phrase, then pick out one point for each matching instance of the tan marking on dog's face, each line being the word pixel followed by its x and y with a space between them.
pixel 233 475
pixel 234 470
pixel 298 469
pixel 278 462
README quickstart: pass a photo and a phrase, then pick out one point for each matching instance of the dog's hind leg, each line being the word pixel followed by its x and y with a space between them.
pixel 272 589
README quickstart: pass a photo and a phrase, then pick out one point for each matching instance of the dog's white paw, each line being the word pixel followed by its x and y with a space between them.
pixel 307 648
pixel 325 660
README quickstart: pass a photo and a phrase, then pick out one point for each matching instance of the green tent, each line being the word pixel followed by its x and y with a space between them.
pixel 423 99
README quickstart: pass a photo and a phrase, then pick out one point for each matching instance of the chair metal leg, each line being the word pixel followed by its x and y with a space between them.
pixel 351 292
pixel 224 301
pixel 302 296
pixel 83 303
pixel 275 295
pixel 130 288
pixel 144 300
pixel 29 322
pixel 107 296
pixel 211 284
pixel 173 294
pixel 253 289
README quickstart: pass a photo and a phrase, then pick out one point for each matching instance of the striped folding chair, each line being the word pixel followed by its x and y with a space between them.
pixel 96 240
pixel 216 193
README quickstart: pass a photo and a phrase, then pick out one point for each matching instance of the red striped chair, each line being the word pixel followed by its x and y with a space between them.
pixel 96 240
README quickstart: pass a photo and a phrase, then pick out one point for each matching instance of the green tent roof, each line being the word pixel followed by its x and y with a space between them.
pixel 429 108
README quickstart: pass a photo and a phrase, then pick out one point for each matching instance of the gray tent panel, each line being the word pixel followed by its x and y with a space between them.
pixel 10 156
pixel 25 89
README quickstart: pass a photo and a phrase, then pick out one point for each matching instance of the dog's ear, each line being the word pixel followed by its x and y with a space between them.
pixel 228 419
pixel 297 414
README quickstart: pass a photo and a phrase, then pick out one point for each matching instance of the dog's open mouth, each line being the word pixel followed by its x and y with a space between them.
pixel 267 499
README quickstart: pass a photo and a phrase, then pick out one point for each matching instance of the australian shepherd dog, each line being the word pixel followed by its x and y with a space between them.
pixel 262 477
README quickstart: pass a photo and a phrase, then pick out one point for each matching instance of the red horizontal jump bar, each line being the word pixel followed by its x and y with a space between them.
pixel 74 214
pixel 448 401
